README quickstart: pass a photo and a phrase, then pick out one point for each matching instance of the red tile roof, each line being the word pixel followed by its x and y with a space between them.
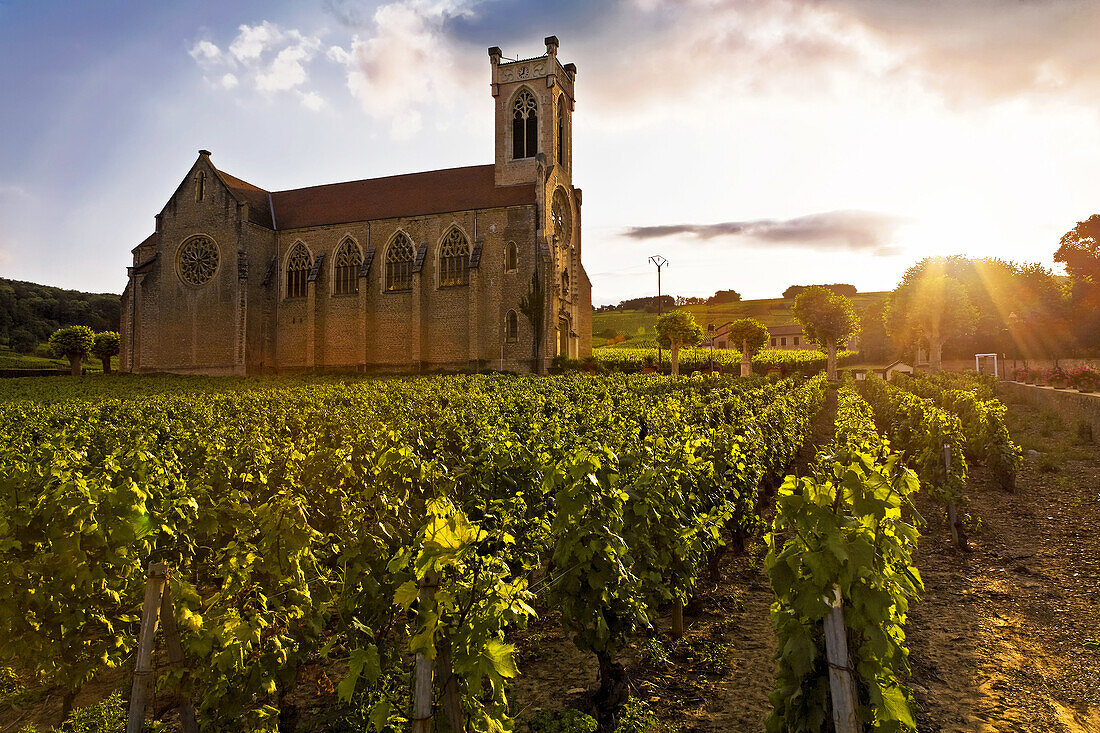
pixel 413 194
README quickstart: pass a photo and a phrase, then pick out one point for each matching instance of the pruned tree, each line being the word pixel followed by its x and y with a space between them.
pixel 74 343
pixel 676 330
pixel 105 346
pixel 751 334
pixel 933 307
pixel 827 319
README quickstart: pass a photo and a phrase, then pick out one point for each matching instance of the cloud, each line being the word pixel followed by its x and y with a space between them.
pixel 263 57
pixel 859 231
pixel 287 70
pixel 251 40
pixel 407 63
pixel 312 101
pixel 205 51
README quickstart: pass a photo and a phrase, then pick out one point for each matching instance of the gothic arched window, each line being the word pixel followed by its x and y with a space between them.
pixel 525 126
pixel 399 263
pixel 345 272
pixel 297 271
pixel 511 257
pixel 561 130
pixel 454 259
pixel 511 327
pixel 200 186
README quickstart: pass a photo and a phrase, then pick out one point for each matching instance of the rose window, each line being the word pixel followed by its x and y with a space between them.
pixel 197 261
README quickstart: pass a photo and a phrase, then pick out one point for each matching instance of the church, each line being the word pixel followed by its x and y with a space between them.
pixel 459 269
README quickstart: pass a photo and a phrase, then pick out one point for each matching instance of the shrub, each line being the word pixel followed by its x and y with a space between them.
pixel 1085 379
pixel 1056 375
pixel 562 721
pixel 1020 374
pixel 105 715
pixel 637 717
pixel 1047 463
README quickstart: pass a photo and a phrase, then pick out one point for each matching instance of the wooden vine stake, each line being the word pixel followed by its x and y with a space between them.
pixel 677 620
pixel 422 681
pixel 452 705
pixel 157 605
pixel 143 672
pixel 957 535
pixel 175 657
pixel 841 684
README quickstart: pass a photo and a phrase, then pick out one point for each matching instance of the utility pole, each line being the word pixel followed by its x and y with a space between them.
pixel 660 262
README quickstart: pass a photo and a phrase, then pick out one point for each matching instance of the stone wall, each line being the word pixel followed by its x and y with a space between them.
pixel 1072 406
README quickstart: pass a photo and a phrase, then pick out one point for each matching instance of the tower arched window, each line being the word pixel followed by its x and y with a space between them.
pixel 511 327
pixel 399 263
pixel 525 126
pixel 297 271
pixel 454 259
pixel 200 186
pixel 561 130
pixel 345 272
pixel 511 257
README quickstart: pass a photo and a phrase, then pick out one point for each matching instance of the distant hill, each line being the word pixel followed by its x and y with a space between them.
pixel 638 326
pixel 29 312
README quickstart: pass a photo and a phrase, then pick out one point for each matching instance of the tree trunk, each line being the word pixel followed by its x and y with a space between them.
pixel 106 365
pixel 674 354
pixel 746 360
pixel 74 366
pixel 67 700
pixel 830 368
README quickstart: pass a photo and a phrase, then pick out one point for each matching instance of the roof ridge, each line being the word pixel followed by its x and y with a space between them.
pixel 384 178
pixel 232 179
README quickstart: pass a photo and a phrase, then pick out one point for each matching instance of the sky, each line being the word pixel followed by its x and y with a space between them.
pixel 755 144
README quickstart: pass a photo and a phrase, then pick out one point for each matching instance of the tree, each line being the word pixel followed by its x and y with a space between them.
pixel 838 288
pixel 675 330
pixel 724 296
pixel 74 343
pixel 1079 249
pixel 932 307
pixel 828 319
pixel 752 335
pixel 105 346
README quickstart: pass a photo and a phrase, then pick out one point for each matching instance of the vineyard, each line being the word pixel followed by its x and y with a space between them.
pixel 788 361
pixel 393 531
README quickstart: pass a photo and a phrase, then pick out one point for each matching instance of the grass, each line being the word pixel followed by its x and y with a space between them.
pixel 638 326
pixel 13 360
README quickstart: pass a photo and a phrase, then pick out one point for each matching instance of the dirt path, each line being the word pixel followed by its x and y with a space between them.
pixel 1001 640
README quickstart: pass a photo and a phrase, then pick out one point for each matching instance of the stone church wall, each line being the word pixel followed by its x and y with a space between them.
pixel 184 327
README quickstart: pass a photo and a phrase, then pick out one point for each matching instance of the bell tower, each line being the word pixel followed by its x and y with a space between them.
pixel 533 100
